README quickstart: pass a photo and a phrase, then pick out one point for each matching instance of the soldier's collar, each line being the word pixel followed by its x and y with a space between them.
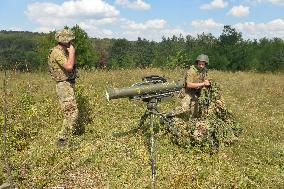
pixel 199 70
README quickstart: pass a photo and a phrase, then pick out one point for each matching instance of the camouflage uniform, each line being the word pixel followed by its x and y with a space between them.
pixel 65 82
pixel 189 97
pixel 202 119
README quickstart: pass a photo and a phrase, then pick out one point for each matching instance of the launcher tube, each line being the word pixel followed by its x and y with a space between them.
pixel 148 88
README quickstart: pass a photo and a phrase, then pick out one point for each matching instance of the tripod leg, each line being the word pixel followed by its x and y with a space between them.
pixel 134 130
pixel 152 149
pixel 143 119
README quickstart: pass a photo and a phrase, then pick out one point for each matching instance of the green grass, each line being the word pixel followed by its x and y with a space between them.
pixel 97 159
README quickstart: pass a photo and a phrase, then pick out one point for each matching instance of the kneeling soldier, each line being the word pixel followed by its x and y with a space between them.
pixel 195 79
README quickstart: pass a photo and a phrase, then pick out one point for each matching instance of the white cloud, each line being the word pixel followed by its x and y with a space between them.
pixel 277 24
pixel 239 11
pixel 43 29
pixel 94 31
pixel 274 28
pixel 137 4
pixel 53 22
pixel 50 14
pixel 152 34
pixel 215 4
pixel 124 28
pixel 274 25
pixel 150 24
pixel 206 24
pixel 253 2
pixel 133 35
pixel 277 2
pixel 103 21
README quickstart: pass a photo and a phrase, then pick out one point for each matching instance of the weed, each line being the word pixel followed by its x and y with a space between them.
pixel 96 159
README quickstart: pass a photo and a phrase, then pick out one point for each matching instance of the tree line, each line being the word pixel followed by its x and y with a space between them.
pixel 27 51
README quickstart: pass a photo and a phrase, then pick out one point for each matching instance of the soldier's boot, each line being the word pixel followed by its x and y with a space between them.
pixel 61 142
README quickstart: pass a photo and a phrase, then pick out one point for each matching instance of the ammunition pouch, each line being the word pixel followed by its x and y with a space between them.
pixel 72 81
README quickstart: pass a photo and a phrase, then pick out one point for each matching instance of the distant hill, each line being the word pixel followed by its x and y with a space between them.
pixel 28 51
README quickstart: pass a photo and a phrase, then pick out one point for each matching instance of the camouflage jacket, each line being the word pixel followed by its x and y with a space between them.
pixel 57 57
pixel 194 75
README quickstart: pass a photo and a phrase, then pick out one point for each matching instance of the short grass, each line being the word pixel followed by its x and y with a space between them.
pixel 97 159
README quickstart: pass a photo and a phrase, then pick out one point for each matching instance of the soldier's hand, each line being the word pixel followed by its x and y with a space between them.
pixel 206 83
pixel 71 49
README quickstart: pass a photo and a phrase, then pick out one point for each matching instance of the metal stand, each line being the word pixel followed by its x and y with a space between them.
pixel 152 111
pixel 154 89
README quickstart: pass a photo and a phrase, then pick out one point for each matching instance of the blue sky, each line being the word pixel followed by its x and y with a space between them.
pixel 150 19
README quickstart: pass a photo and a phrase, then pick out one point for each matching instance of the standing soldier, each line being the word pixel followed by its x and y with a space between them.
pixel 61 61
pixel 195 79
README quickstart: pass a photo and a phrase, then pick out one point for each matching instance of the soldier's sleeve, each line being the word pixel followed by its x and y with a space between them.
pixel 189 77
pixel 59 57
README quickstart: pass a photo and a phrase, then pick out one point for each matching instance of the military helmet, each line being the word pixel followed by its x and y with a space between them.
pixel 202 57
pixel 64 36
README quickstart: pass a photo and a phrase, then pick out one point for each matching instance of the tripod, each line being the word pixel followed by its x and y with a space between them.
pixel 151 112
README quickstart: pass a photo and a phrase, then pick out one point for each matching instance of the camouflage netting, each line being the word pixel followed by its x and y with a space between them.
pixel 215 125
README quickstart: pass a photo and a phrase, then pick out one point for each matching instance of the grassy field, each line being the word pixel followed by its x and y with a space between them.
pixel 97 159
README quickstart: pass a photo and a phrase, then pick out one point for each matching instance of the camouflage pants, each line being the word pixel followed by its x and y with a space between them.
pixel 66 95
pixel 188 106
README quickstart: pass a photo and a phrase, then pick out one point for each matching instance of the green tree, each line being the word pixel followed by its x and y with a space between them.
pixel 181 59
pixel 230 36
pixel 271 57
pixel 45 43
pixel 144 53
pixel 85 54
pixel 232 46
pixel 17 50
pixel 167 49
pixel 120 56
